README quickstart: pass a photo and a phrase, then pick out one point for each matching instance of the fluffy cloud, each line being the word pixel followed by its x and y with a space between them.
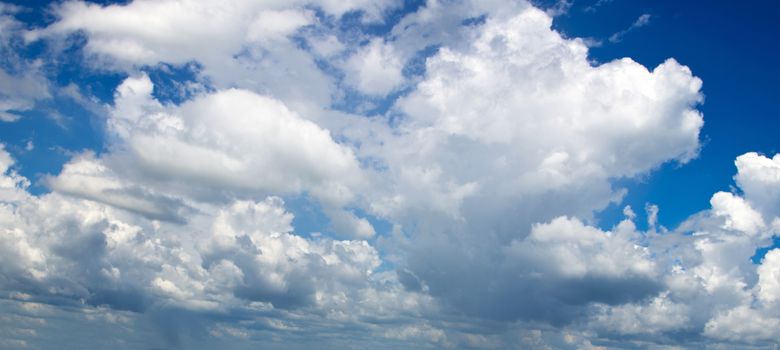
pixel 521 113
pixel 769 278
pixel 147 32
pixel 658 315
pixel 242 257
pixel 375 69
pixel 759 178
pixel 253 146
pixel 712 289
pixel 244 44
pixel 743 324
pixel 737 213
pixel 86 177
pixel 489 168
pixel 512 128
pixel 250 141
pixel 567 248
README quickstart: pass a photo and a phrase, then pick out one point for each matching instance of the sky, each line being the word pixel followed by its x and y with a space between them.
pixel 581 174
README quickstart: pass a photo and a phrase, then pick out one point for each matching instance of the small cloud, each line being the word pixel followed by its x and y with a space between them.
pixel 652 215
pixel 596 5
pixel 561 7
pixel 592 42
pixel 629 213
pixel 642 21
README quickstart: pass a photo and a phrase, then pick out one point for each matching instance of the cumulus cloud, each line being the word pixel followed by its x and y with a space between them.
pixel 375 69
pixel 86 177
pixel 710 287
pixel 512 128
pixel 242 44
pixel 737 213
pixel 566 247
pixel 743 323
pixel 287 153
pixel 253 145
pixel 146 32
pixel 759 177
pixel 769 277
pixel 489 168
pixel 242 256
pixel 530 100
pixel 656 316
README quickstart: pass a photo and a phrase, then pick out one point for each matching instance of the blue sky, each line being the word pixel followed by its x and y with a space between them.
pixel 440 174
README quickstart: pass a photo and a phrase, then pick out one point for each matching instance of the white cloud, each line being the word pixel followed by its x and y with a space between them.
pixel 512 127
pixel 18 92
pixel 147 32
pixel 769 277
pixel 531 101
pixel 489 170
pixel 567 248
pixel 759 177
pixel 737 213
pixel 656 316
pixel 640 22
pixel 269 25
pixel 375 69
pixel 241 44
pixel 12 185
pixel 86 177
pixel 652 215
pixel 226 258
pixel 743 323
pixel 231 143
pixel 22 82
pixel 248 140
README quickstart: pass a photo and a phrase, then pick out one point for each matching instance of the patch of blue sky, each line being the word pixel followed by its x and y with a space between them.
pixel 357 22
pixel 474 21
pixel 175 84
pixel 33 13
pixel 381 227
pixel 416 64
pixel 45 138
pixel 68 67
pixel 761 252
pixel 310 220
pixel 68 120
pixel 353 101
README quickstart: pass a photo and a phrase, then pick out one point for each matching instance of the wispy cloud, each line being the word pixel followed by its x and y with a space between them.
pixel 596 5
pixel 640 22
pixel 560 8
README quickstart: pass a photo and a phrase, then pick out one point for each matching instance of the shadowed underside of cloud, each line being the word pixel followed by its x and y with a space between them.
pixel 488 164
